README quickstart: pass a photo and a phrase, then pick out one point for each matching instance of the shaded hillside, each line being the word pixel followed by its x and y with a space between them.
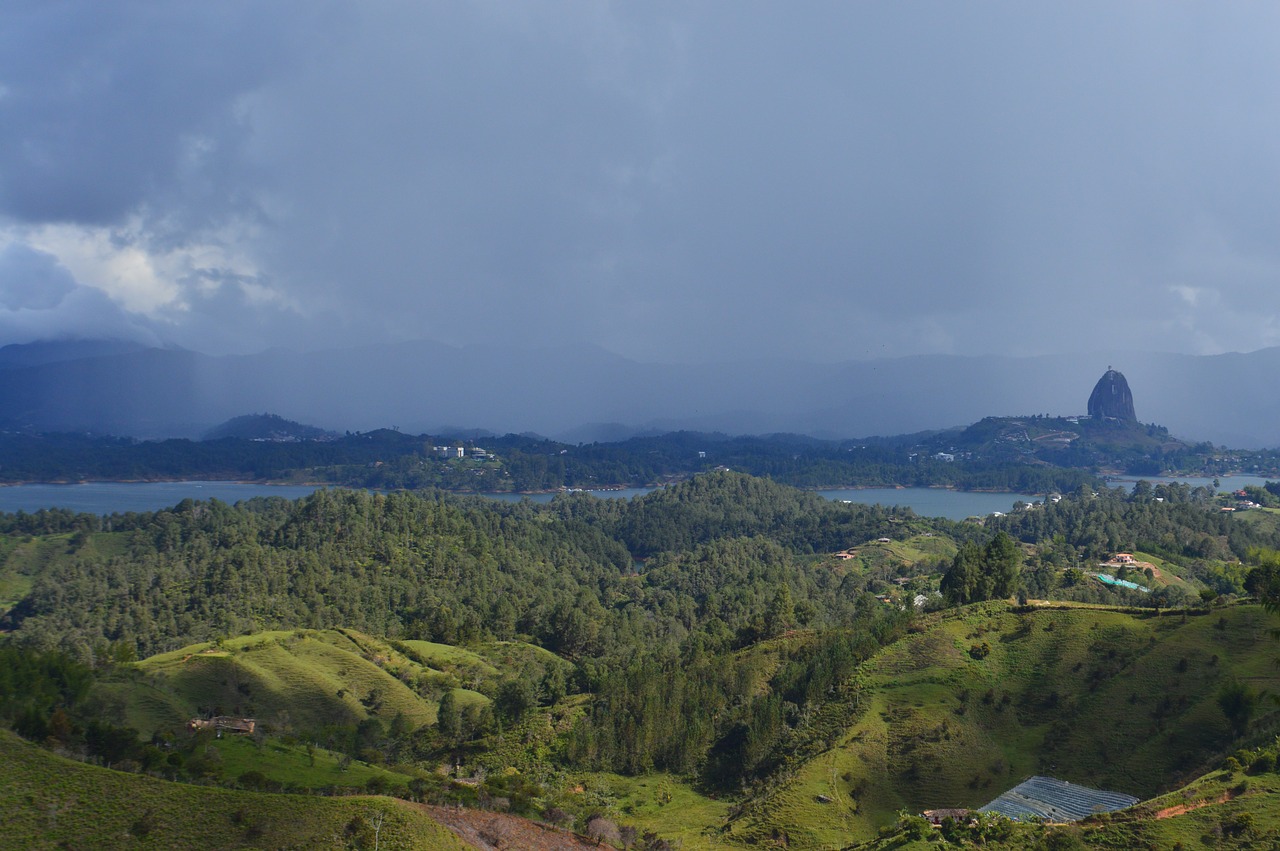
pixel 985 697
pixel 50 802
pixel 268 427
pixel 433 567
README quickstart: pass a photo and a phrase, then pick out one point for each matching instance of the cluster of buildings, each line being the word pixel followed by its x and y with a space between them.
pixel 461 452
pixel 1243 502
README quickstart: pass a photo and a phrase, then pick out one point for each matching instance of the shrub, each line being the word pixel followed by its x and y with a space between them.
pixel 254 780
pixel 143 825
pixel 602 829
pixel 1263 763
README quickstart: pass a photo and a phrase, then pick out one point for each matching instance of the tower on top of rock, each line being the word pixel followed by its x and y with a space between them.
pixel 1111 398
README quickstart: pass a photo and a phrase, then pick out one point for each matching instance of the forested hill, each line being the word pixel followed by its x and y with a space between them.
pixel 388 459
pixel 266 427
pixel 432 566
pixel 724 571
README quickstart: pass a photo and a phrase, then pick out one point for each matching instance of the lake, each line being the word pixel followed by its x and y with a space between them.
pixel 934 502
pixel 111 497
pixel 1226 484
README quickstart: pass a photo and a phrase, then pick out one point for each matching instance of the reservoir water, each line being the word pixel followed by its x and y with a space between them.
pixel 1226 484
pixel 112 497
pixel 119 497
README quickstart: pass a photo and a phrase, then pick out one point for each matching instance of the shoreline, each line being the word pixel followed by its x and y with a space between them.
pixel 542 492
pixel 165 481
pixel 66 482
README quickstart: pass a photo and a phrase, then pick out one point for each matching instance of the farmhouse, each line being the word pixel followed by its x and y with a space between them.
pixel 224 724
pixel 935 817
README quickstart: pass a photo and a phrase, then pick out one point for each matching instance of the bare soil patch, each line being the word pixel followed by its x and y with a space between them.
pixel 1179 809
pixel 499 832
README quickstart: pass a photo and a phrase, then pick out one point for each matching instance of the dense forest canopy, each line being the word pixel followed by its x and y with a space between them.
pixel 1029 455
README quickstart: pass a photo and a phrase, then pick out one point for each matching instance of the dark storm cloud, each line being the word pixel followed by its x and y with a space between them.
pixel 684 181
pixel 108 105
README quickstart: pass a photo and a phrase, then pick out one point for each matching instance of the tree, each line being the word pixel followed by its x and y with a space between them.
pixel 515 697
pixel 780 616
pixel 1238 702
pixel 602 829
pixel 1263 581
pixel 448 719
pixel 960 584
pixel 985 573
pixel 1002 562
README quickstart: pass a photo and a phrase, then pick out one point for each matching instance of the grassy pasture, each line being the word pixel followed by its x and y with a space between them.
pixel 1170 573
pixel 300 679
pixel 452 666
pixel 985 697
pixel 665 805
pixel 48 802
pixel 291 765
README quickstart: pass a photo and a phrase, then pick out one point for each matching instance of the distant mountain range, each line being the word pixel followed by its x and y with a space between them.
pixel 583 393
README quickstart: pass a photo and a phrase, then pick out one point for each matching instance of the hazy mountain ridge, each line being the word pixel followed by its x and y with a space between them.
pixel 422 386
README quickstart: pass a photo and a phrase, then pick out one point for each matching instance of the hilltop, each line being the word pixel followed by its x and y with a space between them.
pixel 1100 445
pixel 266 427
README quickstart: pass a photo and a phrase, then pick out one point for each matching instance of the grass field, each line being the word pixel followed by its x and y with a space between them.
pixel 955 715
pixel 293 766
pixel 665 805
pixel 1222 809
pixel 285 679
pixel 50 802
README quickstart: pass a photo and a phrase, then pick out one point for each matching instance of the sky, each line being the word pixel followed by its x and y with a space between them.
pixel 675 182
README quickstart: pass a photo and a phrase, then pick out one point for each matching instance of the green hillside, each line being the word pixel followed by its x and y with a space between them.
pixel 309 679
pixel 724 662
pixel 50 802
pixel 1229 808
pixel 956 714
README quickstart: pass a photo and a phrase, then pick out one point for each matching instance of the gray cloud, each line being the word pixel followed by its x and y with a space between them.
pixel 32 280
pixel 41 300
pixel 670 181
